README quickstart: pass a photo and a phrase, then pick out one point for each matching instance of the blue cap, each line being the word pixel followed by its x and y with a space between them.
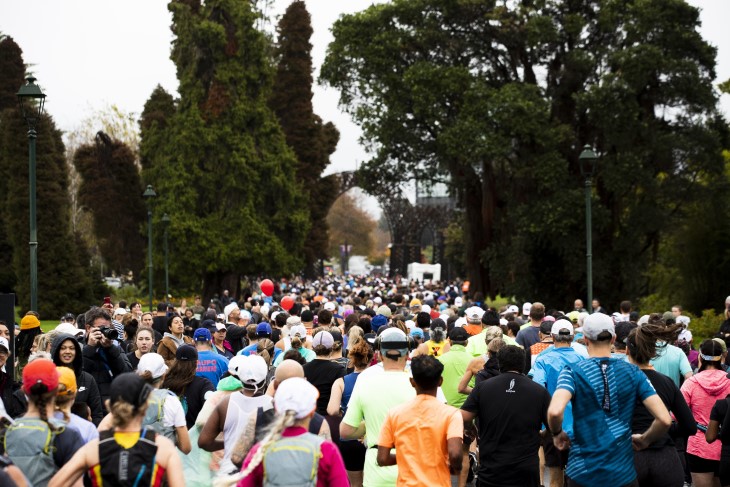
pixel 417 333
pixel 377 322
pixel 263 329
pixel 202 335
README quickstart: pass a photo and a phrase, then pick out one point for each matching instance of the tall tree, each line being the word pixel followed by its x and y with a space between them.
pixel 502 97
pixel 64 283
pixel 350 223
pixel 224 173
pixel 12 70
pixel 156 115
pixel 112 191
pixel 311 140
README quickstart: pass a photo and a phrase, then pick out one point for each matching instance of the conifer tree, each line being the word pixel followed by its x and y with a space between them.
pixel 312 141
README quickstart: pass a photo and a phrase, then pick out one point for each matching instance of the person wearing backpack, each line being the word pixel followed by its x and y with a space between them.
pixel 129 453
pixel 165 413
pixel 38 444
pixel 289 454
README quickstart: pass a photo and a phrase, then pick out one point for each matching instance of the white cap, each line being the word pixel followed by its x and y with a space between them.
pixel 298 395
pixel 120 311
pixel 329 306
pixel 294 321
pixel 685 335
pixel 526 308
pixel 70 329
pixel 458 302
pixel 643 320
pixel 378 300
pixel 503 321
pixel 300 330
pixel 597 323
pixel 460 321
pixel 229 309
pixel 561 325
pixel 152 363
pixel 220 326
pixel 513 309
pixel 221 316
pixel 683 320
pixel 425 308
pixel 4 343
pixel 474 314
pixel 250 369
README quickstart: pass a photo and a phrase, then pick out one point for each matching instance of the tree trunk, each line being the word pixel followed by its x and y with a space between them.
pixel 216 282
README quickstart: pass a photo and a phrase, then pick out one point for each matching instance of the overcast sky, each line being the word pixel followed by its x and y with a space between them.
pixel 91 53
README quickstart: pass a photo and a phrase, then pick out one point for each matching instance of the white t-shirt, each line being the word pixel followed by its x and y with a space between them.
pixel 173 413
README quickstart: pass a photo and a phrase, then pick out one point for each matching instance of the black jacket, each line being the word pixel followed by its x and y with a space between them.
pixel 87 389
pixel 104 364
pixel 491 369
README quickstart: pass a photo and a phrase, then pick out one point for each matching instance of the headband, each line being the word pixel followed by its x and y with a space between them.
pixel 710 358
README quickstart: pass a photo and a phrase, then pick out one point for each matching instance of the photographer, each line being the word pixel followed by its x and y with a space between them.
pixel 102 358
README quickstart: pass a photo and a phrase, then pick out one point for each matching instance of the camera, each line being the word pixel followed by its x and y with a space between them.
pixel 109 333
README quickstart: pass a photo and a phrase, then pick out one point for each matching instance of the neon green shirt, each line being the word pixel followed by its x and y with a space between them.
pixel 455 363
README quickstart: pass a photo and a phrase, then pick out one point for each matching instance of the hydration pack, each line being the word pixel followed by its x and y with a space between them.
pixel 154 418
pixel 29 444
pixel 292 461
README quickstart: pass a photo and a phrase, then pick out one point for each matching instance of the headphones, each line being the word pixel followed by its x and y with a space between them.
pixel 409 343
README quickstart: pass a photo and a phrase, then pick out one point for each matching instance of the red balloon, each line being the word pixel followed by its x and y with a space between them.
pixel 287 302
pixel 267 287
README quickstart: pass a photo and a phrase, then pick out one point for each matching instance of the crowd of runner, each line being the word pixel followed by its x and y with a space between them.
pixel 363 381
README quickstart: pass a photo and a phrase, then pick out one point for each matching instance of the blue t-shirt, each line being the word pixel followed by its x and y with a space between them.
pixel 601 454
pixel 546 371
pixel 211 365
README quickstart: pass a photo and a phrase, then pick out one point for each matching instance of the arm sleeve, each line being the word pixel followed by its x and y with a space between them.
pixel 455 427
pixel 387 435
pixel 685 425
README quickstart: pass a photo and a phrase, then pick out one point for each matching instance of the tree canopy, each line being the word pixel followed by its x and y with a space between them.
pixel 497 100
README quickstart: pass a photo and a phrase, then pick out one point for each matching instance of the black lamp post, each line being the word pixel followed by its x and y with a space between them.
pixel 165 225
pixel 588 160
pixel 31 100
pixel 148 195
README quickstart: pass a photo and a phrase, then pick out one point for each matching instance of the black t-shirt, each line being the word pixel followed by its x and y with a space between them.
pixel 511 410
pixel 322 374
pixel 195 397
pixel 718 413
pixel 133 360
pixel 159 324
pixel 673 399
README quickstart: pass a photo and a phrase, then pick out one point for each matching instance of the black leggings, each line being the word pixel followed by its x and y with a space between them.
pixel 659 467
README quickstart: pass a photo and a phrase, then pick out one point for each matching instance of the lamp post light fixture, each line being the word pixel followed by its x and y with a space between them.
pixel 588 161
pixel 149 195
pixel 165 225
pixel 31 100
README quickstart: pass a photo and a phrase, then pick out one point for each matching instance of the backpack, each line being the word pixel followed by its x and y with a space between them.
pixel 29 444
pixel 292 461
pixel 156 413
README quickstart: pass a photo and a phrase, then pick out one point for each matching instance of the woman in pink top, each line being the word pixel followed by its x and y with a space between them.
pixel 289 454
pixel 701 391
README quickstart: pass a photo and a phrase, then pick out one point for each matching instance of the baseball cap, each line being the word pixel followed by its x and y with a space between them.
pixel 263 329
pixel 70 329
pixel 458 335
pixel 298 395
pixel 186 353
pixel 152 363
pixel 623 328
pixel 293 321
pixel 40 373
pixel 415 303
pixel 378 321
pixel 718 340
pixel 573 316
pixel 546 327
pixel 220 326
pixel 298 330
pixel 323 338
pixel 329 306
pixel 221 317
pixel 683 320
pixel 4 344
pixel 643 320
pixel 597 323
pixel 417 333
pixel 512 309
pixel 251 370
pixel 426 309
pixel 560 327
pixel 686 336
pixel 130 388
pixel 526 308
pixel 120 312
pixel 385 311
pixel 474 314
pixel 245 314
pixel 67 379
pixel 393 339
pixel 202 335
pixel 458 301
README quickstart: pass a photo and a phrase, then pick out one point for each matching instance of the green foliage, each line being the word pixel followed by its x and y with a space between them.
pixel 705 326
pixel 221 166
pixel 112 191
pixel 311 140
pixel 501 97
pixel 158 110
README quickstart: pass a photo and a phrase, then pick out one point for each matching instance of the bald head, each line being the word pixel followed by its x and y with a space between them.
pixel 286 370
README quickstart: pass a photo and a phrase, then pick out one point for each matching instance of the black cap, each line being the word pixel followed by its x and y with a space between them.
pixel 546 327
pixel 458 334
pixel 307 316
pixel 336 335
pixel 623 328
pixel 130 388
pixel 186 353
pixel 437 323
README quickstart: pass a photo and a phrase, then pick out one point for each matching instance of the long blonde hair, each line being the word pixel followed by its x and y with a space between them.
pixel 274 434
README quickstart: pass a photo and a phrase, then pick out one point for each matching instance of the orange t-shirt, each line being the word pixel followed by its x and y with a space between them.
pixel 421 425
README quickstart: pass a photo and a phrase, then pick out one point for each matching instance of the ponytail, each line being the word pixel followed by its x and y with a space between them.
pixel 296 342
pixel 284 421
pixel 40 397
pixel 641 343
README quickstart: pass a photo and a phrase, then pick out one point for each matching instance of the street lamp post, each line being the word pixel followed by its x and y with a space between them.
pixel 31 100
pixel 149 194
pixel 165 225
pixel 588 160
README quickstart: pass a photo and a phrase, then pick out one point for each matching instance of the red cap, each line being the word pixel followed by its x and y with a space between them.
pixel 434 314
pixel 40 371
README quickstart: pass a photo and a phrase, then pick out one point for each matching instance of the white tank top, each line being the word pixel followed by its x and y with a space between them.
pixel 239 410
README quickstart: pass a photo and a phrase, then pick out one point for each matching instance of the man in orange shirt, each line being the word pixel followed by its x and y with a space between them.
pixel 423 424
